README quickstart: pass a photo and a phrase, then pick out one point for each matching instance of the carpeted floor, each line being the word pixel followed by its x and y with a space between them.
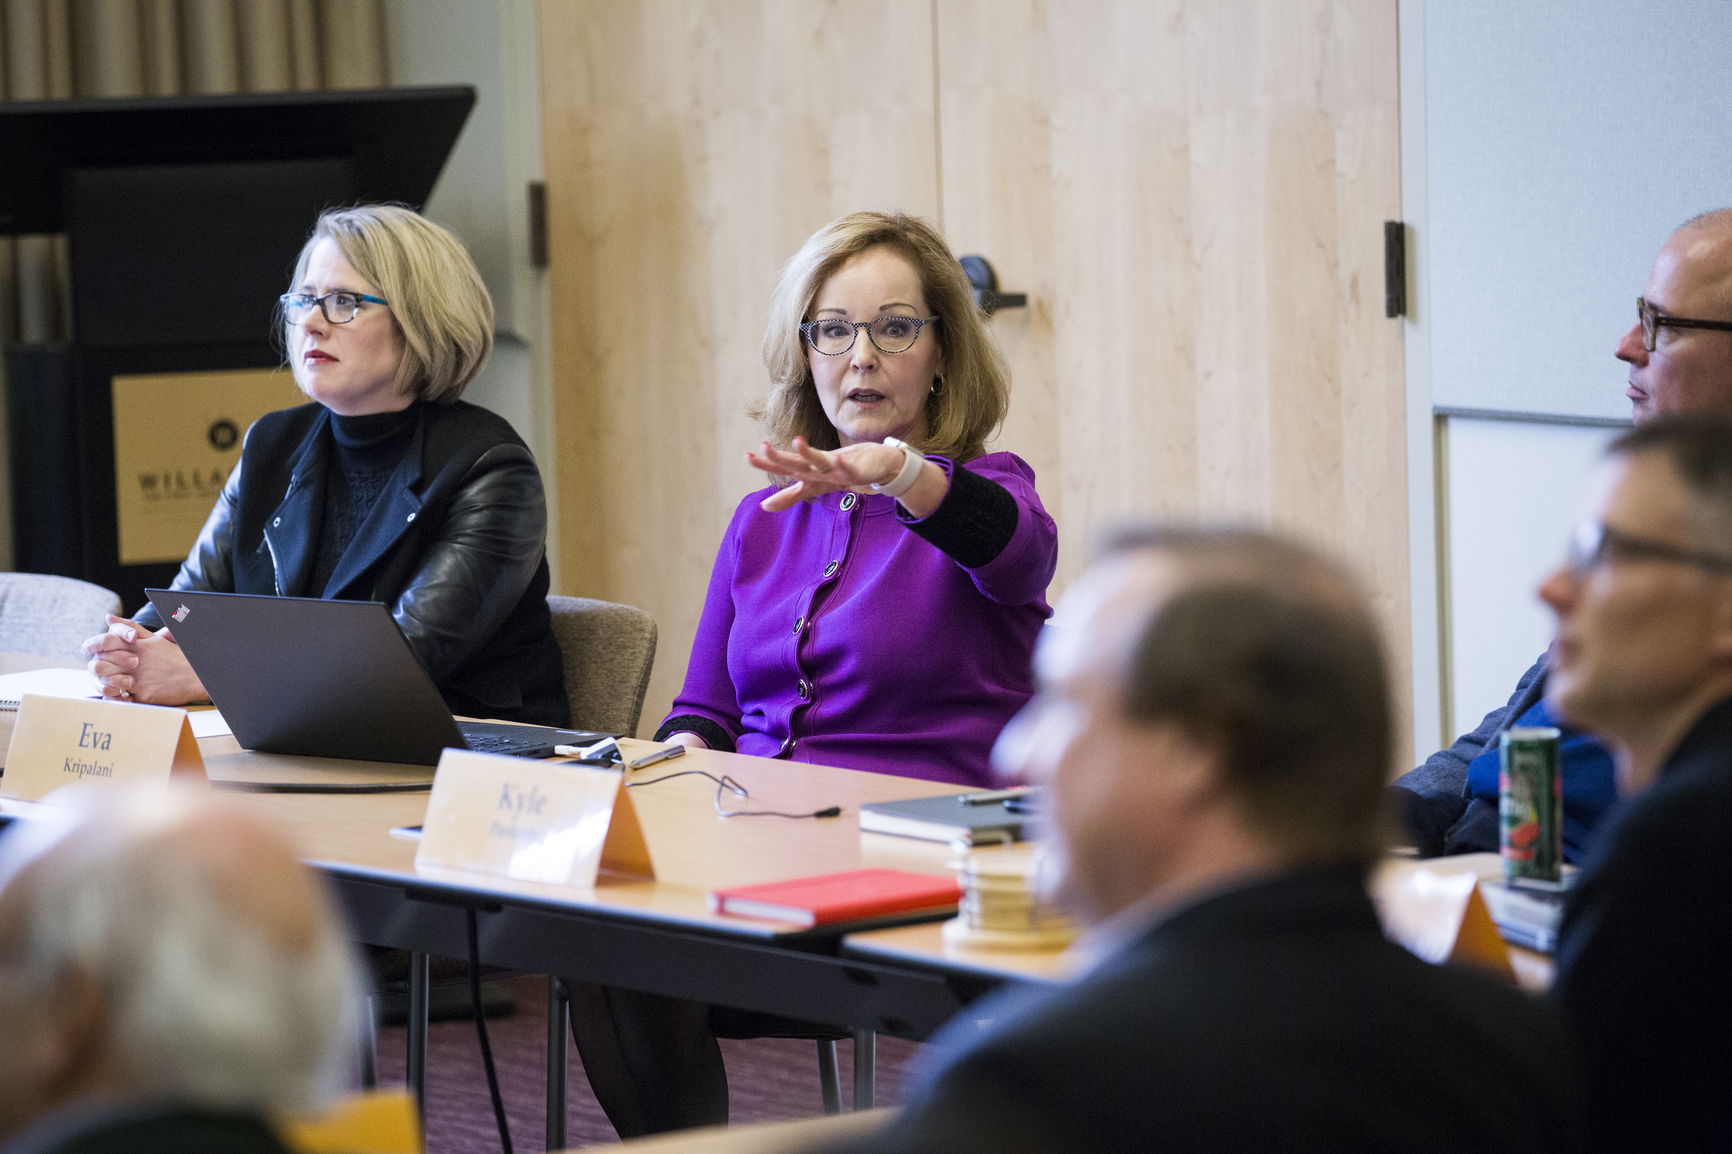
pixel 770 1079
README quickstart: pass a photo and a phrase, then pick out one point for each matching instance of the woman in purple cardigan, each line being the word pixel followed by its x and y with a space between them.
pixel 875 608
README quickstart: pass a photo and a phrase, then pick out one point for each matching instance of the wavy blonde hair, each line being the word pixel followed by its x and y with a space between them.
pixel 974 391
pixel 439 304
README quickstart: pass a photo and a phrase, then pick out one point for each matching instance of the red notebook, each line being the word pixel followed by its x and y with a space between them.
pixel 843 897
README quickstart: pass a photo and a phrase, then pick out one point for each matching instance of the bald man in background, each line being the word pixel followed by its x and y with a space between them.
pixel 170 976
pixel 1680 357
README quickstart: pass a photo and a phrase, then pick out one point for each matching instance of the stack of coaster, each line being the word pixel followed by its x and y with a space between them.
pixel 1002 906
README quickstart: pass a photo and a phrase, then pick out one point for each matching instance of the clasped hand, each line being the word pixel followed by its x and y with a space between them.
pixel 813 472
pixel 135 664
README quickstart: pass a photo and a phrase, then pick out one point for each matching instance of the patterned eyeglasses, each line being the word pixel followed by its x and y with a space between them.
pixel 834 336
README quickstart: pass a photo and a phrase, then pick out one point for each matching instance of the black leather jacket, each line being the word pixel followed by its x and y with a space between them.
pixel 456 545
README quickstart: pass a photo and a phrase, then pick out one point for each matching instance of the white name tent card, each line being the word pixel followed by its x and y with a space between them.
pixel 1438 914
pixel 555 822
pixel 208 723
pixel 64 741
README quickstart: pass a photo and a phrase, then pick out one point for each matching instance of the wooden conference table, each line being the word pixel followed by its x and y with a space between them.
pixel 658 936
pixel 651 935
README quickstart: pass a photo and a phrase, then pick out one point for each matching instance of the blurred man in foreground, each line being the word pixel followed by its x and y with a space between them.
pixel 1644 659
pixel 170 975
pixel 1214 822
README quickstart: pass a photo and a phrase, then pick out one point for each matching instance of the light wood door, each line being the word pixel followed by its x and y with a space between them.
pixel 1191 194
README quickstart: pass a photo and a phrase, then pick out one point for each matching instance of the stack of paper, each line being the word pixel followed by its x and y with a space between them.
pixel 47 683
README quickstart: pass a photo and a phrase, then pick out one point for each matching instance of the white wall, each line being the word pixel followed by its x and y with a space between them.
pixel 1514 489
pixel 483 192
pixel 1565 140
pixel 1429 695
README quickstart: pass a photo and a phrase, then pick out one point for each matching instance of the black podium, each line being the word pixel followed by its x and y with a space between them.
pixel 183 218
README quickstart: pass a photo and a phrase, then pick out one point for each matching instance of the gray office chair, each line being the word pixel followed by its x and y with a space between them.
pixel 48 616
pixel 609 650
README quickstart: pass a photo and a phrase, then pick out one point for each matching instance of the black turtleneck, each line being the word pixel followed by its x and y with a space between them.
pixel 368 450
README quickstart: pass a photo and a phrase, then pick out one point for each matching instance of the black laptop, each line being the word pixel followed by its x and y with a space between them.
pixel 316 678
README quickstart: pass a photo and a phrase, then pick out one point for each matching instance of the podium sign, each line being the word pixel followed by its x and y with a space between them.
pixel 176 437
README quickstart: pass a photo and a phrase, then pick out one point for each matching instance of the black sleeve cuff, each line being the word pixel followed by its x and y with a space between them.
pixel 714 735
pixel 1424 820
pixel 973 523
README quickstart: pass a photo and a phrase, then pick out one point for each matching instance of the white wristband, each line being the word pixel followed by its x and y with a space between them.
pixel 912 461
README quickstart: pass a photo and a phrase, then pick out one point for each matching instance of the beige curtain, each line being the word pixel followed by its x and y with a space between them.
pixel 92 49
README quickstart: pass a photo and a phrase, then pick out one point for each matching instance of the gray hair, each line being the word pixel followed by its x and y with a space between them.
pixel 207 1009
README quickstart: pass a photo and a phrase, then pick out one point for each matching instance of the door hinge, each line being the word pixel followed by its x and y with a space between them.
pixel 537 224
pixel 1394 268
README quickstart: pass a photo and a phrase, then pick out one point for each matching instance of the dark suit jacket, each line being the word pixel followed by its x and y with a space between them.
pixel 148 1130
pixel 1643 952
pixel 456 546
pixel 1432 799
pixel 1274 1017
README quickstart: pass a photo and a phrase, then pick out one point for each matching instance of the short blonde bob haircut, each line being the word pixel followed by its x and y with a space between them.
pixel 973 389
pixel 439 304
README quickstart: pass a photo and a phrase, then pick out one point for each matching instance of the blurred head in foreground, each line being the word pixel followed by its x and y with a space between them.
pixel 166 950
pixel 1188 721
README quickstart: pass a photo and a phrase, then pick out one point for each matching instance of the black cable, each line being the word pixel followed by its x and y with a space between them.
pixel 828 811
pixel 727 784
pixel 723 782
pixel 481 1032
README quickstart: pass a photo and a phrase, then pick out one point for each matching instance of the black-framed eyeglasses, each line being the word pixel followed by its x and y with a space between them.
pixel 1652 319
pixel 339 307
pixel 1594 544
pixel 834 336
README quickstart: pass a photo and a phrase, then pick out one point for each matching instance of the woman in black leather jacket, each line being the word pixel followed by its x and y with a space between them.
pixel 387 487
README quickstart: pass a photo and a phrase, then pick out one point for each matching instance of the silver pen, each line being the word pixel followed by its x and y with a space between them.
pixel 987 797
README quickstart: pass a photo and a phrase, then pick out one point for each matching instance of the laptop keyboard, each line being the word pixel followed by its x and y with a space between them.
pixel 521 740
pixel 516 746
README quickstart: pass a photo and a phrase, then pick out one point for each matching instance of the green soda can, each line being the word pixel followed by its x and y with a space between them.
pixel 1530 805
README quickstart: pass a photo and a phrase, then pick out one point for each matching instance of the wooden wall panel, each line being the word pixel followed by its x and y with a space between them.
pixel 1193 197
pixel 689 149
